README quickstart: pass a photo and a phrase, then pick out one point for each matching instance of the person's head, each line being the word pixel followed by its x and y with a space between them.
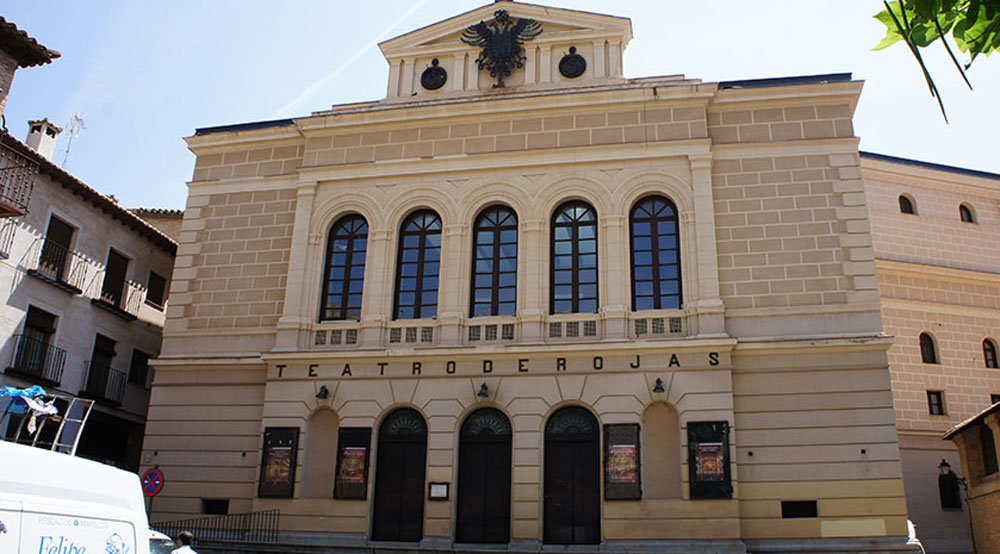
pixel 185 538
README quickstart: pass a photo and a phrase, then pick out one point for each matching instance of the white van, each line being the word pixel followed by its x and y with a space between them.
pixel 52 503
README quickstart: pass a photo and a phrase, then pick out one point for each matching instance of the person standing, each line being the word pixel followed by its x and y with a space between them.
pixel 184 541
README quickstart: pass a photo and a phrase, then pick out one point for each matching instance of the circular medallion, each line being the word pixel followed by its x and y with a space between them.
pixel 572 65
pixel 434 77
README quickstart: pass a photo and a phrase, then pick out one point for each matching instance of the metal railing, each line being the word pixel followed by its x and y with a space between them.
pixel 17 178
pixel 7 237
pixel 259 527
pixel 104 382
pixel 128 301
pixel 54 261
pixel 37 358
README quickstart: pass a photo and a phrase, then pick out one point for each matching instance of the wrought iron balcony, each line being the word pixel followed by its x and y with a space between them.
pixel 37 360
pixel 125 304
pixel 17 178
pixel 58 265
pixel 104 382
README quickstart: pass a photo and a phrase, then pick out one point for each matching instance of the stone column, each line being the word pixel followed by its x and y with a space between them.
pixel 294 318
pixel 532 279
pixel 599 64
pixel 376 304
pixel 451 300
pixel 708 307
pixel 614 273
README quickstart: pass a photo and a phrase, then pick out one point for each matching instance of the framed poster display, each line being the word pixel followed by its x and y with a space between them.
pixel 622 462
pixel 353 448
pixel 277 464
pixel 708 459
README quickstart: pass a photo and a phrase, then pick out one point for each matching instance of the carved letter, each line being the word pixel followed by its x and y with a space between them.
pixel 674 362
pixel 281 369
pixel 312 370
pixel 346 371
pixel 635 364
pixel 487 366
pixel 381 367
pixel 713 358
pixel 522 365
pixel 416 368
pixel 449 367
pixel 560 364
pixel 598 363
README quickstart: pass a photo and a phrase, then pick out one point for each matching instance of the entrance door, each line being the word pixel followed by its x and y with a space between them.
pixel 484 478
pixel 572 478
pixel 399 478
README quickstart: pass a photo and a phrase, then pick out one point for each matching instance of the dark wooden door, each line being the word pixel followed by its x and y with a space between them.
pixel 399 478
pixel 55 251
pixel 114 278
pixel 572 478
pixel 484 478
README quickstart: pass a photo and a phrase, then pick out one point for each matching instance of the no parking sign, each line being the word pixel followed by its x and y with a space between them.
pixel 152 482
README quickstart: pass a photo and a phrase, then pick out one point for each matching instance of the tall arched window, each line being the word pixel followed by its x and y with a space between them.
pixel 345 269
pixel 574 259
pixel 494 264
pixel 965 212
pixel 656 260
pixel 990 353
pixel 418 266
pixel 906 205
pixel 928 352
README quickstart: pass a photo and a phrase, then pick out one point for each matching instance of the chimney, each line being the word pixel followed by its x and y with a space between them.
pixel 42 137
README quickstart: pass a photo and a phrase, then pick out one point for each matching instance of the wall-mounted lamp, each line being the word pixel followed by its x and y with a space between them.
pixel 944 467
pixel 658 387
pixel 484 391
pixel 323 393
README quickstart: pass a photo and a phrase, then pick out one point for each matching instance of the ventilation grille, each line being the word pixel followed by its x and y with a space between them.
pixel 337 336
pixel 479 333
pixel 406 334
pixel 571 329
pixel 658 326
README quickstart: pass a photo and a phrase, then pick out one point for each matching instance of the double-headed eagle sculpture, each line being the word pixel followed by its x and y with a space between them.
pixel 501 42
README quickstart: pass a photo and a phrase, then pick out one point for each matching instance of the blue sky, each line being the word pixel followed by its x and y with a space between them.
pixel 147 74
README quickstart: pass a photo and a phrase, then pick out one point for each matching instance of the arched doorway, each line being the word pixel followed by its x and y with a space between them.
pixel 484 478
pixel 572 478
pixel 399 477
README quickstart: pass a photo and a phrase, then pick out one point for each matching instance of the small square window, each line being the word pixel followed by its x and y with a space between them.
pixel 794 509
pixel 935 402
pixel 320 338
pixel 139 369
pixel 215 506
pixel 474 333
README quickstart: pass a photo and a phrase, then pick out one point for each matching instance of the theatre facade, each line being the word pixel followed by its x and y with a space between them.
pixel 526 301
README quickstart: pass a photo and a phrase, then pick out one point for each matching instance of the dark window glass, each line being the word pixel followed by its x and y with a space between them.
pixel 55 252
pixel 419 266
pixel 966 214
pixel 114 279
pixel 989 449
pixel 215 506
pixel 156 292
pixel 345 269
pixel 792 509
pixel 994 398
pixel 906 205
pixel 656 266
pixel 574 259
pixel 935 402
pixel 139 369
pixel 989 353
pixel 494 263
pixel 927 351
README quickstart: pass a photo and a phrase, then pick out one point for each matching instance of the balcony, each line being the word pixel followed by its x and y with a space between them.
pixel 57 265
pixel 104 383
pixel 37 360
pixel 17 178
pixel 125 304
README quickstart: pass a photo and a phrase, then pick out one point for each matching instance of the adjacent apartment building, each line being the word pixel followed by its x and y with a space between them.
pixel 84 283
pixel 524 300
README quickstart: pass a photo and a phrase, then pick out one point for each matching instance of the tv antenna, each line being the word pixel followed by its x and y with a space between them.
pixel 76 125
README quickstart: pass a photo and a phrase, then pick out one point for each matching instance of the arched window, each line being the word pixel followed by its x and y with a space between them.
pixel 965 212
pixel 906 205
pixel 990 353
pixel 419 265
pixel 656 261
pixel 574 259
pixel 928 352
pixel 494 264
pixel 345 269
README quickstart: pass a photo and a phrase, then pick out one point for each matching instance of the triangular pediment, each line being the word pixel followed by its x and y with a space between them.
pixel 595 40
pixel 558 21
